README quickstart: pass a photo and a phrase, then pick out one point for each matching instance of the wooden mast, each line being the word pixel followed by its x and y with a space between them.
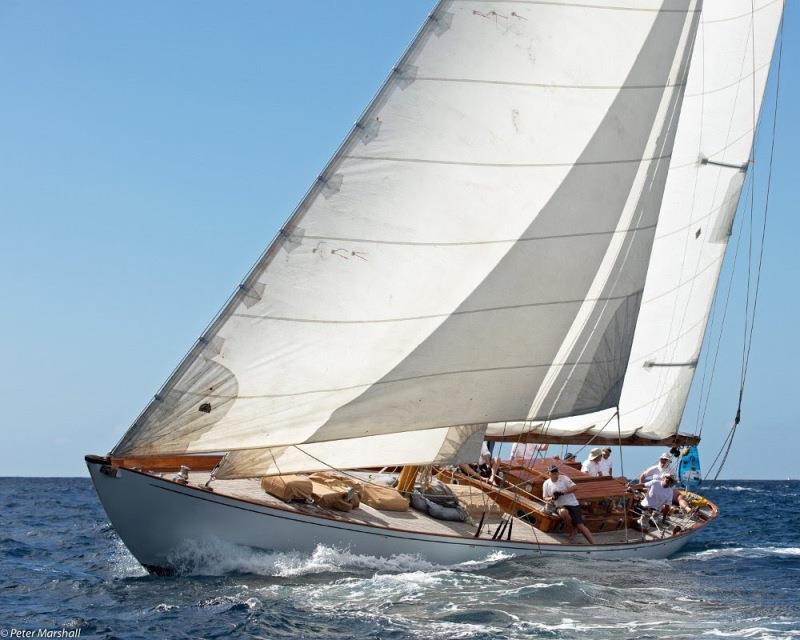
pixel 408 475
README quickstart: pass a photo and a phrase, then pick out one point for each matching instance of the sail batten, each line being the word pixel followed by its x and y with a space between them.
pixel 476 250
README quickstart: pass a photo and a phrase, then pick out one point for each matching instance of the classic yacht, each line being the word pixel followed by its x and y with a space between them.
pixel 519 240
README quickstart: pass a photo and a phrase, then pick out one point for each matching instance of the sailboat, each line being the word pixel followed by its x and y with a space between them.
pixel 518 241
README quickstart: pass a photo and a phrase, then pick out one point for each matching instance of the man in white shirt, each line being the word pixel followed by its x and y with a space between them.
pixel 659 494
pixel 657 470
pixel 605 462
pixel 560 491
pixel 592 464
pixel 524 453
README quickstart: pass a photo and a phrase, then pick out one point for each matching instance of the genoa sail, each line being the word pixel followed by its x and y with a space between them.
pixel 476 251
pixel 727 79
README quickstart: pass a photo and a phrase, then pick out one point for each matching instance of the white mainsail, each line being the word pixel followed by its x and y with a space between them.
pixel 727 79
pixel 475 251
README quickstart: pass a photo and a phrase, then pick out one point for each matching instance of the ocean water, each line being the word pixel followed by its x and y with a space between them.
pixel 62 567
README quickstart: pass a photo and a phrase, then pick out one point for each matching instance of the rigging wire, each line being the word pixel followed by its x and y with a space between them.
pixel 750 315
pixel 707 396
pixel 592 439
pixel 622 471
pixel 766 200
pixel 752 206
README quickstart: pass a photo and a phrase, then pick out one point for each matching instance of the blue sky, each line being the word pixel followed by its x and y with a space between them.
pixel 150 150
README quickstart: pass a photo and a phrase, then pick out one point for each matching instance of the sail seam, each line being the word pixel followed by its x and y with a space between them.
pixel 464 243
pixel 741 15
pixel 546 85
pixel 437 374
pixel 512 164
pixel 584 5
pixel 696 221
pixel 438 315
pixel 696 275
pixel 738 81
pixel 636 359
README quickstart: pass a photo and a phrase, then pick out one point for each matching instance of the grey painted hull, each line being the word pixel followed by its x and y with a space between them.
pixel 156 518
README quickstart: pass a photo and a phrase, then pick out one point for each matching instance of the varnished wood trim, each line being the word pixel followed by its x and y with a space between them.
pixel 679 440
pixel 167 463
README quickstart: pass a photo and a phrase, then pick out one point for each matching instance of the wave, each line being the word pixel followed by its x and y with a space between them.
pixel 762 633
pixel 230 603
pixel 743 552
pixel 741 488
pixel 216 557
pixel 13 548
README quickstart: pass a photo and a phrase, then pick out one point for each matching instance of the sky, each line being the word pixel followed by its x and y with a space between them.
pixel 150 150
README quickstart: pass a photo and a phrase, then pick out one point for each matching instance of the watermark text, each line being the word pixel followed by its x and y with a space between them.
pixel 61 632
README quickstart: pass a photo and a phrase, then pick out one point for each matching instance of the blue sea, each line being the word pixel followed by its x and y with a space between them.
pixel 63 569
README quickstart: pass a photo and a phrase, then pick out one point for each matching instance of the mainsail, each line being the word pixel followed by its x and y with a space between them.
pixel 726 84
pixel 476 251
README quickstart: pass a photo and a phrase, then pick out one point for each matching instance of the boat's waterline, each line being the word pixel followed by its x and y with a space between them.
pixel 156 518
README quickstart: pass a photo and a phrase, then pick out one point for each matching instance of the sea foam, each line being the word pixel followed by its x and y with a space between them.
pixel 216 557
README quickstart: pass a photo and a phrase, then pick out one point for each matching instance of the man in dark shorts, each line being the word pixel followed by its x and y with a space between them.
pixel 560 490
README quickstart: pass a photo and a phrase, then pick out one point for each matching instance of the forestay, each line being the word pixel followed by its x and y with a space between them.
pixel 728 75
pixel 475 251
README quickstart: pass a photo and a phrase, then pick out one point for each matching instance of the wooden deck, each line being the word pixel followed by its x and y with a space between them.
pixel 411 520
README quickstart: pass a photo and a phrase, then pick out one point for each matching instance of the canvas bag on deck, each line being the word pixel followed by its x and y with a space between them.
pixel 287 488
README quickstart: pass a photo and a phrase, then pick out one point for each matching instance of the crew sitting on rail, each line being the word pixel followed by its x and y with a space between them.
pixel 605 462
pixel 592 464
pixel 560 491
pixel 657 470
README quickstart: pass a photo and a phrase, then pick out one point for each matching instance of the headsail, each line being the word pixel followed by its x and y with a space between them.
pixel 475 251
pixel 449 445
pixel 728 75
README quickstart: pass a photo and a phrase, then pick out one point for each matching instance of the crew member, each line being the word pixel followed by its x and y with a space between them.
pixel 560 490
pixel 658 470
pixel 592 464
pixel 524 453
pixel 662 494
pixel 659 494
pixel 605 462
pixel 486 466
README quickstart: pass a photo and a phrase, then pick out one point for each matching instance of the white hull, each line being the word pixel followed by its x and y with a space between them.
pixel 156 517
